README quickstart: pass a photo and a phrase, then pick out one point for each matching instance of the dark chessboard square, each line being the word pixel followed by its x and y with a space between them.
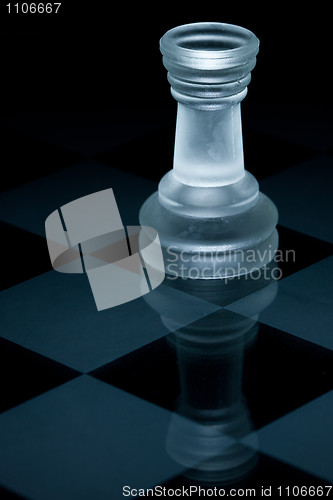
pixel 265 155
pixel 299 250
pixel 25 255
pixel 276 373
pixel 150 156
pixel 26 158
pixel 9 495
pixel 150 373
pixel 283 372
pixel 26 374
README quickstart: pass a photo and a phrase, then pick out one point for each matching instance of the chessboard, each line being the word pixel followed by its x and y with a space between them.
pixel 93 401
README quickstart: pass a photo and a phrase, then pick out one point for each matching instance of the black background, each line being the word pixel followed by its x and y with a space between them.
pixel 99 55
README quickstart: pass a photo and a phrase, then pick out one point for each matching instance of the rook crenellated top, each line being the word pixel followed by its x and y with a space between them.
pixel 209 64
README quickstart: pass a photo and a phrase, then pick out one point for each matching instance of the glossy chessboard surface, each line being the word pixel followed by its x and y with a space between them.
pixel 92 401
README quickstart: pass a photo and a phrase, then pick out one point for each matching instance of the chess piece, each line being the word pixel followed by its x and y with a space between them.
pixel 210 216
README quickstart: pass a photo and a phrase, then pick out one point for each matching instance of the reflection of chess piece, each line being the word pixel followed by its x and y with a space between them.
pixel 205 434
pixel 208 209
pixel 212 418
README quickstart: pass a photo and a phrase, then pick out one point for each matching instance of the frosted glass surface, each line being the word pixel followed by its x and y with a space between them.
pixel 208 146
pixel 208 202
